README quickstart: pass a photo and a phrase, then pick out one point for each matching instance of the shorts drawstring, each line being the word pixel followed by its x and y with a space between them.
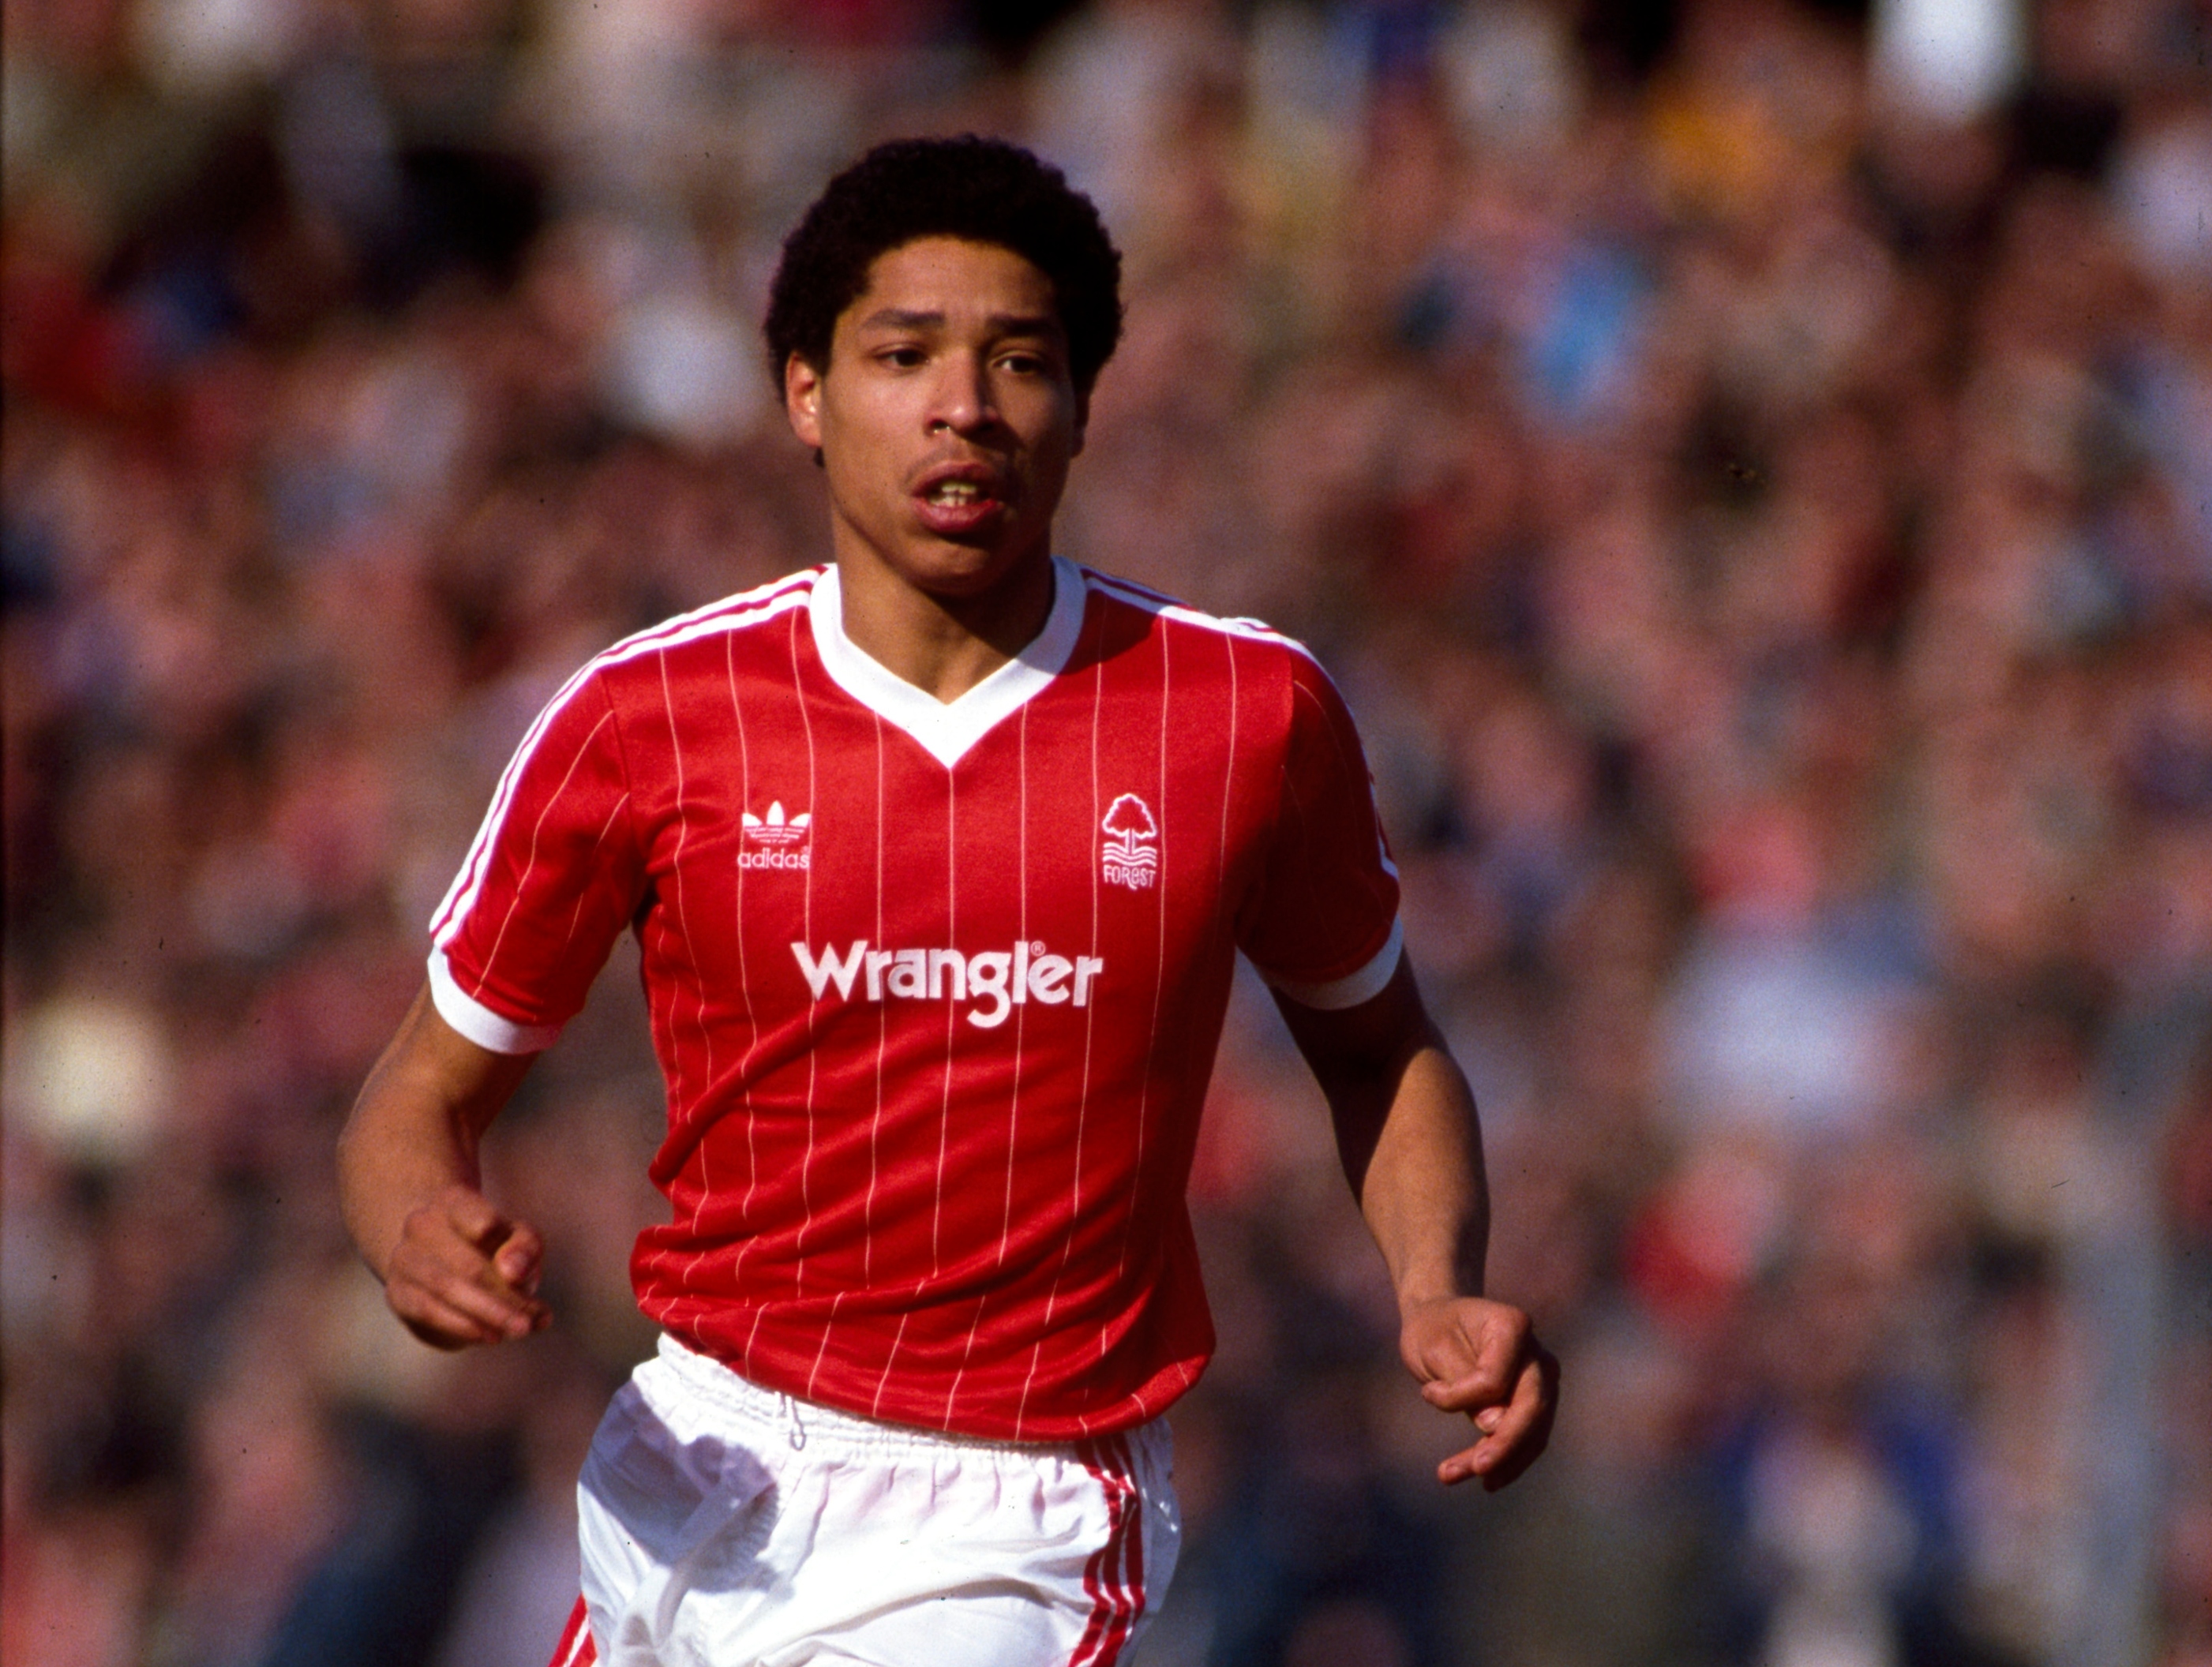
pixel 798 1432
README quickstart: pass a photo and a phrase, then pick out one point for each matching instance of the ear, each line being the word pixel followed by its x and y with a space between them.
pixel 802 400
pixel 1082 423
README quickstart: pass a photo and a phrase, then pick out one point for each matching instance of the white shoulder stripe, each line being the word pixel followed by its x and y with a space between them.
pixel 461 895
pixel 730 614
pixel 1152 602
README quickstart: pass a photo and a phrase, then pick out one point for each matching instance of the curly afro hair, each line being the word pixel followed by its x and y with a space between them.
pixel 984 191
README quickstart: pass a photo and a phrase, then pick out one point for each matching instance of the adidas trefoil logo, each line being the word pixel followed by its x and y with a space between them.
pixel 1130 856
pixel 777 841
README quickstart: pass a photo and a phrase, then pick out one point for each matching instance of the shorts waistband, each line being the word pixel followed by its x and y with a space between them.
pixel 804 1423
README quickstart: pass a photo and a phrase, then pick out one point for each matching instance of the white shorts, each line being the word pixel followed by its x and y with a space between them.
pixel 726 1525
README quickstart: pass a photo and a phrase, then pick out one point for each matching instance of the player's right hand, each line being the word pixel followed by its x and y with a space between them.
pixel 463 1274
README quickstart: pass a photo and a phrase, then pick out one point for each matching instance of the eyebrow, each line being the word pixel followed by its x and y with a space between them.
pixel 1001 323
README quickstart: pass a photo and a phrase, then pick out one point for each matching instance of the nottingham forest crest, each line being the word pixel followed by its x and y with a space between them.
pixel 1131 854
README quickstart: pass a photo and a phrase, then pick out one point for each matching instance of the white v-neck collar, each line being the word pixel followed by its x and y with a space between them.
pixel 946 729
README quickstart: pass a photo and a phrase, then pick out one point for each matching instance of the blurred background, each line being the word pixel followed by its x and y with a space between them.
pixel 1749 465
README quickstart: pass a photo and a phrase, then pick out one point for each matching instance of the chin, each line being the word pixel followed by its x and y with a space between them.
pixel 965 570
pixel 959 584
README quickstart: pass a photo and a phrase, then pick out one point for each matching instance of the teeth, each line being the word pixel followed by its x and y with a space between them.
pixel 954 492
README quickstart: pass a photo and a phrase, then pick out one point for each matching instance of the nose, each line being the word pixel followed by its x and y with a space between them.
pixel 961 400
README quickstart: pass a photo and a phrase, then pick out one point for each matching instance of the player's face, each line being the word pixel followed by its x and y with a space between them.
pixel 946 416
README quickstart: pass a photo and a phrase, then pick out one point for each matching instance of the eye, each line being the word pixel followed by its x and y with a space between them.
pixel 1023 362
pixel 901 358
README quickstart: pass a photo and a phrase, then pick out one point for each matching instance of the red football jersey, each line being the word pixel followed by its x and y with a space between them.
pixel 935 987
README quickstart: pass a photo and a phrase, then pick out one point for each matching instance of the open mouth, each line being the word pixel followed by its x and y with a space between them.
pixel 963 500
pixel 955 495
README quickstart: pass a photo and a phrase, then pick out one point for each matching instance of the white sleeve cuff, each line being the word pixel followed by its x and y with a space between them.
pixel 1353 988
pixel 478 1022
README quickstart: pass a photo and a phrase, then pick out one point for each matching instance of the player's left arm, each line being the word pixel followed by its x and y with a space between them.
pixel 1411 1147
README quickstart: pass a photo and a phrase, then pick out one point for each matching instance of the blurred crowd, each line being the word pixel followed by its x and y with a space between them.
pixel 1748 462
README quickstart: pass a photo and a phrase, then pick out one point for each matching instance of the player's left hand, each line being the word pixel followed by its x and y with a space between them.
pixel 1481 1358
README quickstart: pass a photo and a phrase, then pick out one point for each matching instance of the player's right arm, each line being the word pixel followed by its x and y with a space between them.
pixel 552 876
pixel 455 1269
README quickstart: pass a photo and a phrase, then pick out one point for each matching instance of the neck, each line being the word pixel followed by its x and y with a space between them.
pixel 943 645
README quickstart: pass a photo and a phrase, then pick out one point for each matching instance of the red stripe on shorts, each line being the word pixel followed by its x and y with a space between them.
pixel 576 1648
pixel 1136 1541
pixel 1115 1576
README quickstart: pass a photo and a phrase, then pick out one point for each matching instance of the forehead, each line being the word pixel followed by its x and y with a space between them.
pixel 952 278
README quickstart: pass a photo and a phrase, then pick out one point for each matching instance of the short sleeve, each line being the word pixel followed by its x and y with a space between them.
pixel 1321 925
pixel 552 878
